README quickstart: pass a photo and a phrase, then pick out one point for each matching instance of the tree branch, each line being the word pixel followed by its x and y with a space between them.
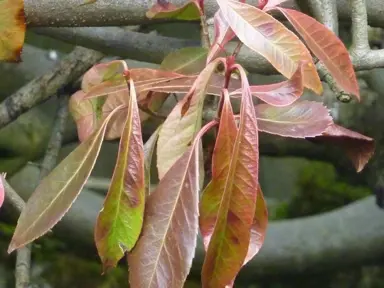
pixel 359 26
pixel 41 88
pixel 23 257
pixel 48 13
pixel 54 144
pixel 326 12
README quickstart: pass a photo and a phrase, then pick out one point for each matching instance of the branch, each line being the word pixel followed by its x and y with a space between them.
pixel 54 144
pixel 48 13
pixel 326 12
pixel 23 257
pixel 360 41
pixel 41 88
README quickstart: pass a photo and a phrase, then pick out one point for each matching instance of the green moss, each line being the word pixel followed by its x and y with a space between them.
pixel 319 190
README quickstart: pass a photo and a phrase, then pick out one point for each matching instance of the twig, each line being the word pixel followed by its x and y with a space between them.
pixel 41 88
pixel 23 257
pixel 54 145
pixel 360 42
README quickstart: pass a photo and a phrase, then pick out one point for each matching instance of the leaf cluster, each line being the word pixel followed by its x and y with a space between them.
pixel 157 230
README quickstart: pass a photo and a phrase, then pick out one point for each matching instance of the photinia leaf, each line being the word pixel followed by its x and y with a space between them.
pixel 237 179
pixel 163 255
pixel 119 223
pixel 183 123
pixel 12 29
pixel 272 4
pixel 56 192
pixel 271 39
pixel 327 47
pixel 87 113
pixel 279 94
pixel 299 120
pixel 149 148
pixel 2 189
pixel 258 229
pixel 359 148
pixel 188 60
pixel 223 34
pixel 189 11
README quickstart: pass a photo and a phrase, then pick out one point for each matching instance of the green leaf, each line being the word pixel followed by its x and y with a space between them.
pixel 189 11
pixel 12 29
pixel 188 60
pixel 56 193
pixel 183 123
pixel 120 221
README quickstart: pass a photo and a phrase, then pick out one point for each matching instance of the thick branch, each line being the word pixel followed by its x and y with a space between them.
pixel 41 88
pixel 359 26
pixel 326 12
pixel 153 48
pixel 49 13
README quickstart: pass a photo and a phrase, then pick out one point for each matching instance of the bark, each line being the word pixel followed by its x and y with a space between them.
pixel 49 13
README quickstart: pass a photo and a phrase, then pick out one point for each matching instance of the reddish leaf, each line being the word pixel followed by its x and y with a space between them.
pixel 12 29
pixel 56 192
pixel 270 38
pixel 358 147
pixel 119 223
pixel 2 189
pixel 230 239
pixel 223 34
pixel 327 47
pixel 183 123
pixel 86 113
pixel 272 4
pixel 258 230
pixel 299 120
pixel 279 94
pixel 163 255
pixel 189 11
pixel 221 156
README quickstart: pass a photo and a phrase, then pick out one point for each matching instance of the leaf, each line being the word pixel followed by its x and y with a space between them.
pixel 55 194
pixel 87 113
pixel 163 255
pixel 2 189
pixel 119 223
pixel 358 147
pixel 12 30
pixel 237 179
pixel 188 60
pixel 272 4
pixel 223 34
pixel 258 229
pixel 189 11
pixel 279 94
pixel 149 148
pixel 271 39
pixel 299 120
pixel 327 47
pixel 183 123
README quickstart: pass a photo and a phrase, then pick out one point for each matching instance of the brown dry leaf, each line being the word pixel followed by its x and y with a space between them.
pixel 12 29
